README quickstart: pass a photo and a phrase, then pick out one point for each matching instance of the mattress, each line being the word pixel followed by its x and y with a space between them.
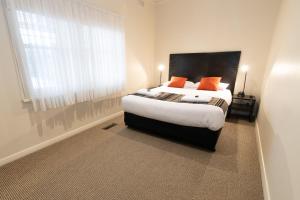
pixel 185 114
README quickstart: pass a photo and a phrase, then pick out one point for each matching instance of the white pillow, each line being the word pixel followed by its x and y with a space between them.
pixel 196 85
pixel 188 84
pixel 222 86
pixel 166 83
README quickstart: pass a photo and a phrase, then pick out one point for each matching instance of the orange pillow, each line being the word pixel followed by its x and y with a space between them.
pixel 177 82
pixel 209 83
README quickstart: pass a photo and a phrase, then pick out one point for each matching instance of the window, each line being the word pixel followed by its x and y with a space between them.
pixel 69 51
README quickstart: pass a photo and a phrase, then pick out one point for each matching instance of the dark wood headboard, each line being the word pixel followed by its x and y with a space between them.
pixel 197 65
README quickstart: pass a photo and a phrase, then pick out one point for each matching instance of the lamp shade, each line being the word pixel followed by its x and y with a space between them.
pixel 161 67
pixel 245 68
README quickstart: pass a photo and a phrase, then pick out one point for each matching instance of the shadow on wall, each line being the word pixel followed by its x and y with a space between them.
pixel 137 74
pixel 275 158
pixel 67 116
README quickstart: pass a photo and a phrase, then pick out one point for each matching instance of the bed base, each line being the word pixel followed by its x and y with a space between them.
pixel 201 137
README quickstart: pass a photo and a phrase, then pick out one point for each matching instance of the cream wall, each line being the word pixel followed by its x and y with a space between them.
pixel 21 128
pixel 214 25
pixel 278 119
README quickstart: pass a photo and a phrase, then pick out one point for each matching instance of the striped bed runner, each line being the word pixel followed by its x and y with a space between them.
pixel 165 96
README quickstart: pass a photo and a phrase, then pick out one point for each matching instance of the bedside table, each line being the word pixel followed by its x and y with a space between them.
pixel 243 106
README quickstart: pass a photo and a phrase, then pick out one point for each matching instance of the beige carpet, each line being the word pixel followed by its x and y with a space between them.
pixel 121 164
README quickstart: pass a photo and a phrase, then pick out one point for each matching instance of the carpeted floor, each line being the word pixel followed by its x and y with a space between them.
pixel 121 164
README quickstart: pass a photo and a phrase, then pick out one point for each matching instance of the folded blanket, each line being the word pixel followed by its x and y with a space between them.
pixel 148 93
pixel 196 98
pixel 177 98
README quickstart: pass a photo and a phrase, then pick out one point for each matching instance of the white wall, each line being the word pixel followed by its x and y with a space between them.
pixel 214 25
pixel 278 119
pixel 140 37
pixel 21 128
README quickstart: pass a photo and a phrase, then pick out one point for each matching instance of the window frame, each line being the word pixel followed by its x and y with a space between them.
pixel 23 90
pixel 17 57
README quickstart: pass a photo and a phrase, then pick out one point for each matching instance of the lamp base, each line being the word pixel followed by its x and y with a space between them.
pixel 241 94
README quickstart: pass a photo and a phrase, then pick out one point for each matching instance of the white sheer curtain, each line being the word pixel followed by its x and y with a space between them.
pixel 69 51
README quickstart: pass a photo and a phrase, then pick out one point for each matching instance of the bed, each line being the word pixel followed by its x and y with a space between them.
pixel 196 124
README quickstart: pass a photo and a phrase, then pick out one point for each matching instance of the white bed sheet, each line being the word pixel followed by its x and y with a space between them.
pixel 186 114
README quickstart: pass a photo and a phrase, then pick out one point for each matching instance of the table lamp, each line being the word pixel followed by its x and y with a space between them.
pixel 161 68
pixel 244 69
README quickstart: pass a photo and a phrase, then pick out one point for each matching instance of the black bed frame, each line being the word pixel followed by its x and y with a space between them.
pixel 193 66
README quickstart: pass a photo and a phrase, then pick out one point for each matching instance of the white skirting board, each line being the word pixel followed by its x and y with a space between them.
pixel 264 178
pixel 54 140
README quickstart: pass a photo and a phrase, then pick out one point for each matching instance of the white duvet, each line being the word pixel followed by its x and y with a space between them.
pixel 186 114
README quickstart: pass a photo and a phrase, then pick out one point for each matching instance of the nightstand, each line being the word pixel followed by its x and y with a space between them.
pixel 243 106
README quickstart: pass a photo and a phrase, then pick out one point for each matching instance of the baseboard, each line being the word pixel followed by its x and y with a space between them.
pixel 54 140
pixel 264 178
